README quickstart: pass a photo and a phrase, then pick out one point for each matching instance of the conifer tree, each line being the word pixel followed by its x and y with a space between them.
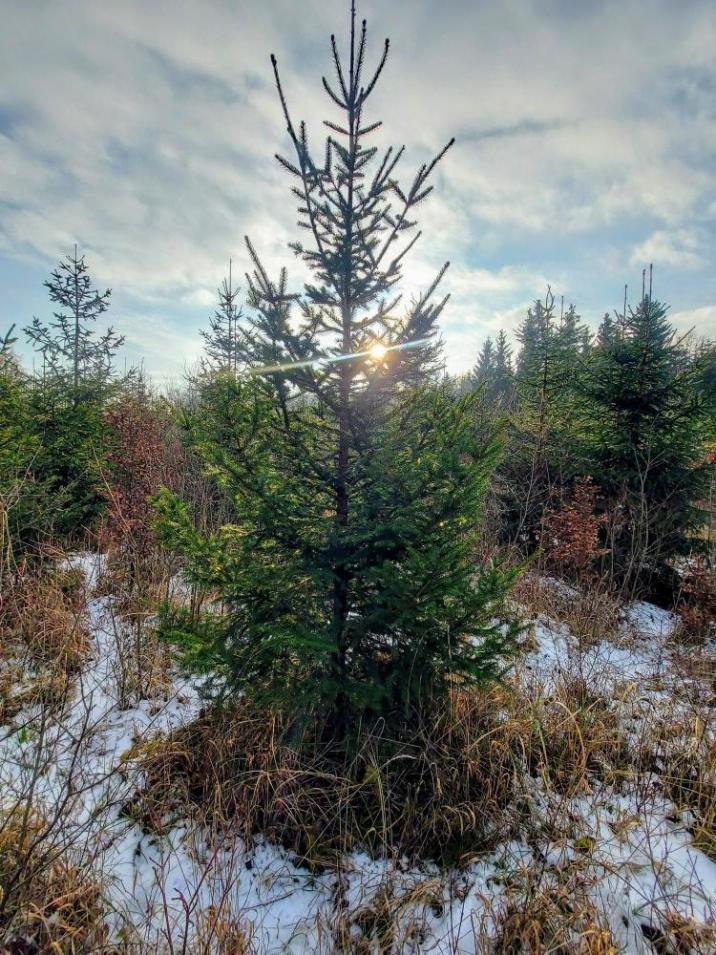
pixel 650 412
pixel 348 581
pixel 534 335
pixel 69 343
pixel 545 429
pixel 493 369
pixel 503 384
pixel 573 341
pixel 26 509
pixel 605 331
pixel 70 391
pixel 222 339
pixel 484 371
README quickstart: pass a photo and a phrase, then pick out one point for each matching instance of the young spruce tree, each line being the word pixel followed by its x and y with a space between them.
pixel 69 343
pixel 546 428
pixel 650 413
pixel 222 338
pixel 69 392
pixel 348 587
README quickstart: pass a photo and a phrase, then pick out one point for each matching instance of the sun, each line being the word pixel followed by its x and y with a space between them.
pixel 378 351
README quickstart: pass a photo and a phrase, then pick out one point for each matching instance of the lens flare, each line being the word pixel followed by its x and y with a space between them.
pixel 376 352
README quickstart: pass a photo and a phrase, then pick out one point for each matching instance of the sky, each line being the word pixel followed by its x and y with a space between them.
pixel 146 133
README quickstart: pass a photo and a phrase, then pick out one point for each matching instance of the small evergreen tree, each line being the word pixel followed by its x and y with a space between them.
pixel 535 335
pixel 27 509
pixel 348 581
pixel 573 341
pixel 16 450
pixel 69 393
pixel 544 454
pixel 484 370
pixel 649 416
pixel 503 383
pixel 223 337
pixel 69 342
pixel 605 331
pixel 493 370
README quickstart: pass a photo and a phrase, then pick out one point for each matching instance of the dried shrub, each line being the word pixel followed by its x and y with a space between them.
pixel 570 533
pixel 697 604
pixel 140 460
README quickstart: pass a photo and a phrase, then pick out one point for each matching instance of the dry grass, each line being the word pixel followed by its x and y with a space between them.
pixel 44 640
pixel 43 617
pixel 459 786
pixel 47 904
pixel 552 917
pixel 431 796
pixel 590 612
pixel 221 934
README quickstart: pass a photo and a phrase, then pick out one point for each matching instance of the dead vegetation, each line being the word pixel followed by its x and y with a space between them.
pixel 44 640
pixel 47 902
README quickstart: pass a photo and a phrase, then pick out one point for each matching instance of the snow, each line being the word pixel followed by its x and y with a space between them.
pixel 632 850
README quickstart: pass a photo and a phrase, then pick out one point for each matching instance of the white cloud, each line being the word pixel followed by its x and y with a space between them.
pixel 701 320
pixel 148 138
pixel 161 341
pixel 681 249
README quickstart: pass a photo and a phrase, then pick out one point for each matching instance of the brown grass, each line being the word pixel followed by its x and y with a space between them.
pixel 590 612
pixel 555 918
pixel 47 904
pixel 457 788
pixel 44 641
pixel 43 616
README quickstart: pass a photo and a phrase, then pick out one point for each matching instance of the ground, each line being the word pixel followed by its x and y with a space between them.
pixel 609 865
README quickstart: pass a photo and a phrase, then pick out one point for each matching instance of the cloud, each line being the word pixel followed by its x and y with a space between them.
pixel 148 139
pixel 681 249
pixel 701 320
pixel 167 349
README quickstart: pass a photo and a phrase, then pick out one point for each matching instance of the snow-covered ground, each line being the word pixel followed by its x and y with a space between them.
pixel 630 853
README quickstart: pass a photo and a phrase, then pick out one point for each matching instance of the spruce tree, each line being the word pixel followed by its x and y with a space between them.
pixel 348 583
pixel 484 370
pixel 545 447
pixel 650 411
pixel 69 343
pixel 222 338
pixel 493 370
pixel 69 392
pixel 573 342
pixel 605 331
pixel 503 382
pixel 535 335
pixel 26 507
